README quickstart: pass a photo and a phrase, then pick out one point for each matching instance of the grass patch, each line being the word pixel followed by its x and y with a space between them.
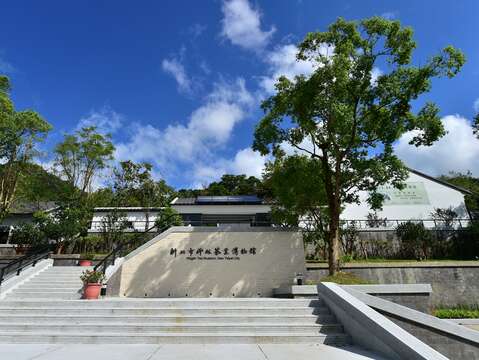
pixel 345 278
pixel 460 312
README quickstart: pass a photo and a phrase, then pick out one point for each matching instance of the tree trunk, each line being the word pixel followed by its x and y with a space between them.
pixel 334 244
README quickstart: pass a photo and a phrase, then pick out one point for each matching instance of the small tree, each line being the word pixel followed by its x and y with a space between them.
pixel 133 185
pixel 81 156
pixel 112 228
pixel 20 132
pixel 347 120
pixel 166 218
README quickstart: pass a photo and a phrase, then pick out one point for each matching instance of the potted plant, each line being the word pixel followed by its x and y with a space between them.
pixel 93 281
pixel 86 260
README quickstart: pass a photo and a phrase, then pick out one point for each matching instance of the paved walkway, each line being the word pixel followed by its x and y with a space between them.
pixel 182 352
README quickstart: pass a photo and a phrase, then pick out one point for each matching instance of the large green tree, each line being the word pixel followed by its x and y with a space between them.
pixel 20 133
pixel 347 120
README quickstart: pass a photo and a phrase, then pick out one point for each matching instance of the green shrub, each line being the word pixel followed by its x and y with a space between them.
pixel 92 277
pixel 415 240
pixel 461 312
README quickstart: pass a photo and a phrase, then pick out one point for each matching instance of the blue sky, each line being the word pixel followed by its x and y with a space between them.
pixel 178 83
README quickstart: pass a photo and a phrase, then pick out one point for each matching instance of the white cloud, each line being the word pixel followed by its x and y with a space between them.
pixel 195 143
pixel 246 161
pixel 282 61
pixel 106 120
pixel 249 162
pixel 458 150
pixel 176 69
pixel 242 25
pixel 476 105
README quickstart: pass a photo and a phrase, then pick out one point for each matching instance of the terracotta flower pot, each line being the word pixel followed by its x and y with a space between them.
pixel 91 291
pixel 85 263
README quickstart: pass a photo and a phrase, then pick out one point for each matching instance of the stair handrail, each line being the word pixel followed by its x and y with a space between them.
pixel 30 259
pixel 112 255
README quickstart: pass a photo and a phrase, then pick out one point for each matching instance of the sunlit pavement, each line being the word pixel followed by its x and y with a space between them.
pixel 197 352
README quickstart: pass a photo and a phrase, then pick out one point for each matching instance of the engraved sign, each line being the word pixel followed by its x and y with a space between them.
pixel 217 253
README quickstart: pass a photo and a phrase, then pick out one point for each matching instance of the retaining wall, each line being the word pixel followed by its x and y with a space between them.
pixel 452 284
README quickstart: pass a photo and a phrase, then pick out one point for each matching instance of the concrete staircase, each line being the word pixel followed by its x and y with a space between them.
pixel 156 321
pixel 57 282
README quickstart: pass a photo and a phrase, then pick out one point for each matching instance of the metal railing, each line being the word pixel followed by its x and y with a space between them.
pixel 392 224
pixel 145 226
pixel 15 267
pixel 360 225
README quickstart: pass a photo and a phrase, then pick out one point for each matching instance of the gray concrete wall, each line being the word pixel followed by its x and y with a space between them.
pixel 370 329
pixel 446 337
pixel 170 265
pixel 451 285
pixel 446 344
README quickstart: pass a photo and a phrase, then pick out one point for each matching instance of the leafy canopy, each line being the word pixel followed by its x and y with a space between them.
pixel 80 156
pixel 347 119
pixel 20 133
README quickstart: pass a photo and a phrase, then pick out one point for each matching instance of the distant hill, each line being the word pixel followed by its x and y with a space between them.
pixel 37 185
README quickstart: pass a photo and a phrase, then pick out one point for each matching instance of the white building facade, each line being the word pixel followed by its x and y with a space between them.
pixel 421 196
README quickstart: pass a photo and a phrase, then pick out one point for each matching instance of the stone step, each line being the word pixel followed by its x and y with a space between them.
pixel 184 328
pixel 32 337
pixel 54 283
pixel 69 268
pixel 148 319
pixel 32 289
pixel 62 278
pixel 57 295
pixel 172 303
pixel 253 311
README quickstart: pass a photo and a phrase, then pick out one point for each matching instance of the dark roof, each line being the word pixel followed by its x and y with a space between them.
pixel 23 207
pixel 442 182
pixel 220 200
pixel 128 208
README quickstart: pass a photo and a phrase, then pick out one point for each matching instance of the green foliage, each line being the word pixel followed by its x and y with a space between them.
pixel 38 185
pixel 460 312
pixel 346 120
pixel 92 277
pixel 20 133
pixel 345 278
pixel 112 226
pixel 80 156
pixel 230 185
pixel 466 242
pixel 133 185
pixel 416 240
pixel 466 181
pixel 167 218
pixel 236 185
pixel 29 234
